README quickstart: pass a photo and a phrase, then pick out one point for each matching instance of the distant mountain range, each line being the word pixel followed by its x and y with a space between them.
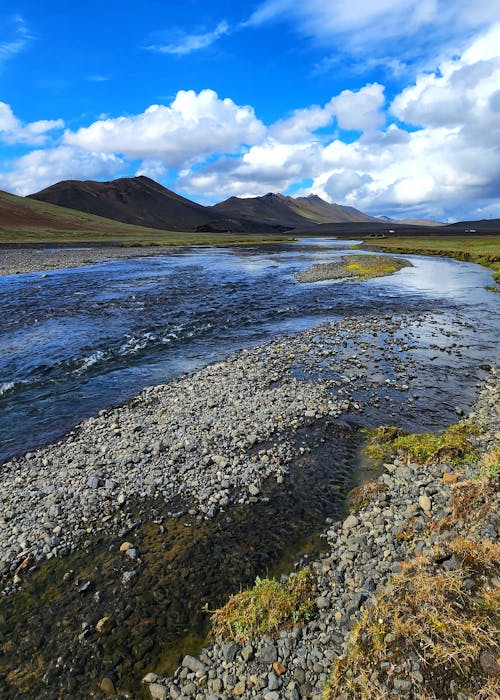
pixel 138 209
pixel 143 202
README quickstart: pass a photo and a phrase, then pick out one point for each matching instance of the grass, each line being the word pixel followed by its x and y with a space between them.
pixel 447 620
pixel 481 249
pixel 267 608
pixel 362 495
pixel 452 444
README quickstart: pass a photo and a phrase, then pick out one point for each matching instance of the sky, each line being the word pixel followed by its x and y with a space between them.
pixel 388 106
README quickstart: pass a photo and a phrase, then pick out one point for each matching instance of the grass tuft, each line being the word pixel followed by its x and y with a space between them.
pixel 444 619
pixel 362 495
pixel 267 608
pixel 453 444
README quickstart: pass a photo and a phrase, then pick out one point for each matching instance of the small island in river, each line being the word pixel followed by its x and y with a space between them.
pixel 353 267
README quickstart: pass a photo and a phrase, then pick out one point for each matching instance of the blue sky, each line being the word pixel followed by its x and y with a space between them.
pixel 390 107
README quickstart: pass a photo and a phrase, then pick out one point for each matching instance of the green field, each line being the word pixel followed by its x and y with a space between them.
pixel 482 249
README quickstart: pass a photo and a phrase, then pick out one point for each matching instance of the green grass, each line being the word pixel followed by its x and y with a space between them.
pixel 452 444
pixel 481 249
pixel 267 608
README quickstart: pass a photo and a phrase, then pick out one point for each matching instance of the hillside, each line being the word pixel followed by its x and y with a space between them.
pixel 143 202
pixel 20 216
pixel 289 211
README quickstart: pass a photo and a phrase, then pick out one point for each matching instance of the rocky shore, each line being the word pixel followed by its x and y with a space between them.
pixel 14 261
pixel 203 444
pixel 207 440
pixel 400 522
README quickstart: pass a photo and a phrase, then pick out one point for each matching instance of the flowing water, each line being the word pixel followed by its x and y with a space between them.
pixel 78 340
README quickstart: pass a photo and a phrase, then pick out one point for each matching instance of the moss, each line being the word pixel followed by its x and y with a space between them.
pixel 453 444
pixel 445 619
pixel 358 267
pixel 266 608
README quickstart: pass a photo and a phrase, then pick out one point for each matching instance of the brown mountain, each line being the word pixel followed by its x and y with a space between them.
pixel 137 200
pixel 143 202
pixel 32 220
pixel 290 211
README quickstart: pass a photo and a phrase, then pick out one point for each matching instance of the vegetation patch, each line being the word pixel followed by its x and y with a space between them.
pixel 446 622
pixel 481 249
pixel 267 608
pixel 362 495
pixel 355 267
pixel 453 444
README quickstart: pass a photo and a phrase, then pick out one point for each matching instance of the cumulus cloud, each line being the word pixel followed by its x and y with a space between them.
pixel 187 43
pixel 41 168
pixel 192 127
pixel 12 130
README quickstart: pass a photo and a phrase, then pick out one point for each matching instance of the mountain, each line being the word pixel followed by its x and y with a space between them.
pixel 137 200
pixel 411 222
pixel 143 202
pixel 33 220
pixel 289 211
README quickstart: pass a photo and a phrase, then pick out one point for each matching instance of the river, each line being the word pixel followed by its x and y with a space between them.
pixel 78 340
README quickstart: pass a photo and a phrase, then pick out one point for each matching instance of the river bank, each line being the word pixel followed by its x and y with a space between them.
pixel 433 526
pixel 44 258
pixel 230 436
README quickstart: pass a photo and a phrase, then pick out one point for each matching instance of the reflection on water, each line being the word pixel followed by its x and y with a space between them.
pixel 74 341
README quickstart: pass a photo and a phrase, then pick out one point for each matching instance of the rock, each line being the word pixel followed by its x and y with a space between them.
pixel 247 653
pixel 239 688
pixel 193 664
pixel 107 686
pixel 489 664
pixel 350 522
pixel 279 668
pixel 268 654
pixel 105 625
pixel 322 603
pixel 450 478
pixel 150 678
pixel 158 692
pixel 425 503
pixel 229 651
pixel 125 546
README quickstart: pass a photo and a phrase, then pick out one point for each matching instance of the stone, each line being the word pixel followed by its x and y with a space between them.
pixel 150 678
pixel 193 664
pixel 107 686
pixel 350 522
pixel 489 664
pixel 229 651
pixel 279 668
pixel 450 478
pixel 105 624
pixel 158 692
pixel 322 602
pixel 268 654
pixel 247 653
pixel 125 546
pixel 239 688
pixel 425 503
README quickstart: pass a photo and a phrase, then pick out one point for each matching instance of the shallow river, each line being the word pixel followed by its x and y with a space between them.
pixel 75 341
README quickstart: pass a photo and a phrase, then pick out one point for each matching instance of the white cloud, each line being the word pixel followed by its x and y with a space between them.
pixel 12 130
pixel 389 31
pixel 17 43
pixel 187 43
pixel 192 127
pixel 38 169
pixel 360 110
